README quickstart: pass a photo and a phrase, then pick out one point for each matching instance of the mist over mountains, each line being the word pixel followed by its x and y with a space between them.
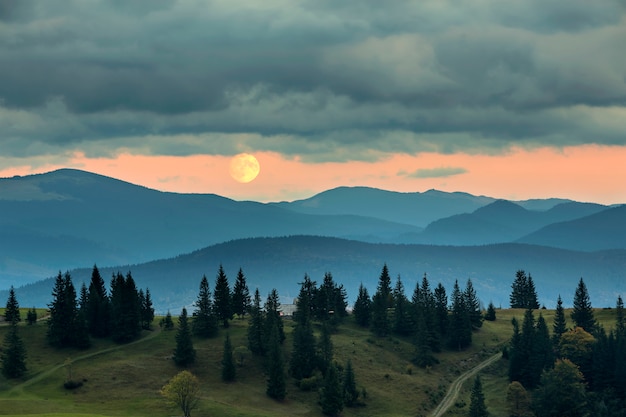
pixel 71 220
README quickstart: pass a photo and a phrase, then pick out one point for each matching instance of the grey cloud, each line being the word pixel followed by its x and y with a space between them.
pixel 324 80
pixel 440 172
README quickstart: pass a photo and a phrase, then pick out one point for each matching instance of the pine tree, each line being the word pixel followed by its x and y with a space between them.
pixel 350 393
pixel 490 315
pixel 331 394
pixel 530 295
pixel 31 316
pixel 204 322
pixel 241 295
pixel 276 383
pixel 560 326
pixel 125 309
pixel 428 305
pixel 302 362
pixel 147 310
pixel 460 330
pixel 62 324
pixel 13 354
pixel 81 337
pixel 168 324
pixel 518 290
pixel 402 323
pixel 542 357
pixel 273 318
pixel 516 359
pixel 228 364
pixel 12 310
pixel 477 406
pixel 620 319
pixel 472 304
pixel 441 310
pixel 255 326
pixel 362 308
pixel 221 298
pixel 325 349
pixel 381 303
pixel 98 313
pixel 582 314
pixel 423 352
pixel 184 354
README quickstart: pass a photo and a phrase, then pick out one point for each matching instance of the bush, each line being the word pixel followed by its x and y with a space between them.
pixel 71 384
pixel 309 384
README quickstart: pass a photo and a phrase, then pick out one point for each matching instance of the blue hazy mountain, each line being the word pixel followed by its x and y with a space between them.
pixel 600 231
pixel 502 221
pixel 282 262
pixel 70 218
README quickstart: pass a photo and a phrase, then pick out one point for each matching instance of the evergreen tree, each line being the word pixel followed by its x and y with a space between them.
pixel 490 315
pixel 350 393
pixel 168 324
pixel 302 362
pixel 204 322
pixel 532 301
pixel 362 308
pixel 441 310
pixel 305 303
pixel 184 354
pixel 12 310
pixel 472 304
pixel 241 295
pixel 460 330
pixel 98 313
pixel 423 351
pixel 620 319
pixel 560 326
pixel 63 313
pixel 530 371
pixel 402 323
pixel 13 354
pixel 147 310
pixel 331 398
pixel 228 364
pixel 273 318
pixel 428 308
pixel 31 316
pixel 582 314
pixel 516 359
pixel 381 303
pixel 81 337
pixel 125 309
pixel 542 357
pixel 325 348
pixel 221 298
pixel 276 383
pixel 82 299
pixel 255 326
pixel 518 290
pixel 477 406
pixel 523 292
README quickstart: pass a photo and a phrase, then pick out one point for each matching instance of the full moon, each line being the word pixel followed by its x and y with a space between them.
pixel 244 167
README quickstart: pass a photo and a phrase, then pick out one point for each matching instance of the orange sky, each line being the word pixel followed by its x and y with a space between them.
pixel 584 173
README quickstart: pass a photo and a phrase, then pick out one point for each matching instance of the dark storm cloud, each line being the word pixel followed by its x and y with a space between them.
pixel 321 79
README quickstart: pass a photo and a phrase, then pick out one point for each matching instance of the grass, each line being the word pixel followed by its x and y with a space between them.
pixel 122 380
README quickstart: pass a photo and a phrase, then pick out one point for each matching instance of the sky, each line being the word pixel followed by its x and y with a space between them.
pixel 517 99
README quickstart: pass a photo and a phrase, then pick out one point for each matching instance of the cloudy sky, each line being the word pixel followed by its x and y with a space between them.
pixel 514 99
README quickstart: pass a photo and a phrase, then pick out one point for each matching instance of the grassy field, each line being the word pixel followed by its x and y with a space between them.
pixel 123 380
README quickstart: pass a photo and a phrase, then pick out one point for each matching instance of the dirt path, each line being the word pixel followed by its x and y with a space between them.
pixel 455 388
pixel 42 375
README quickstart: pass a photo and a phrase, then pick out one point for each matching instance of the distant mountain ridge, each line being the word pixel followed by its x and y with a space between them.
pixel 68 218
pixel 282 262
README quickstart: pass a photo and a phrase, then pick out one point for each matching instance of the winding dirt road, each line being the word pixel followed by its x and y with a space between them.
pixel 455 388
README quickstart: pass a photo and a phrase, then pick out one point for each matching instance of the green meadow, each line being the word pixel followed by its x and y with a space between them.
pixel 125 380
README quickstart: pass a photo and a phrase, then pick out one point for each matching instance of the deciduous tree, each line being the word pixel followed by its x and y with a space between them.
pixel 183 391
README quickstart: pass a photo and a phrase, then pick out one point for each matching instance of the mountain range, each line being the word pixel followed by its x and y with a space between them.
pixel 71 219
